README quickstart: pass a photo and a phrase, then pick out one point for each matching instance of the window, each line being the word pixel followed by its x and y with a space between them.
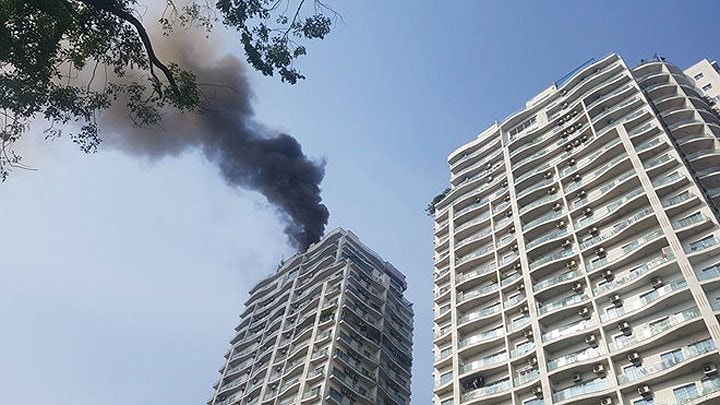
pixel 707 87
pixel 690 219
pixel 643 401
pixel 698 76
pixel 685 393
pixel 523 126
pixel 631 372
pixel 446 377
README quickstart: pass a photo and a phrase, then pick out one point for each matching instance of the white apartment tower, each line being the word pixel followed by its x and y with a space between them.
pixel 576 251
pixel 331 326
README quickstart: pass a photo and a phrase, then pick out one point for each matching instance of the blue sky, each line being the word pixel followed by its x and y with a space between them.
pixel 122 279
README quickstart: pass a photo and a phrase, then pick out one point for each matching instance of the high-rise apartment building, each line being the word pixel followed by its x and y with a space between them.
pixel 331 326
pixel 576 251
pixel 706 76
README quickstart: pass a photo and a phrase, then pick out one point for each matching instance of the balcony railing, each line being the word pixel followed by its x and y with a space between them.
pixel 547 217
pixel 702 388
pixel 484 363
pixel 567 330
pixel 464 296
pixel 479 314
pixel 480 252
pixel 594 174
pixel 477 272
pixel 626 250
pixel 617 228
pixel 590 387
pixel 480 337
pixel 573 299
pixel 634 303
pixel 666 256
pixel 646 370
pixel 556 279
pixel 648 331
pixel 573 358
pixel 527 377
pixel 551 257
pixel 546 237
pixel 491 389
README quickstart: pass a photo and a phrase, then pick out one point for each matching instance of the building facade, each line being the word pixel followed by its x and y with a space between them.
pixel 706 76
pixel 331 326
pixel 576 251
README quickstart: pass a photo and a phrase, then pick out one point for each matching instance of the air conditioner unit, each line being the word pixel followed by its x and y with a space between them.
pixel 504 183
pixel 616 300
pixel 606 401
pixel 608 275
pixel 537 390
pixel 599 369
pixel 634 358
pixel 571 264
pixel 511 229
pixel 552 190
pixel 566 243
pixel 584 312
pixel 532 361
pixel 571 129
pixel 568 147
pixel 515 247
pixel 578 287
pixel 644 391
pixel 576 143
pixel 508 213
pixel 557 207
pixel 528 334
pixel 584 138
pixel 548 175
pixel 565 134
pixel 591 341
pixel 587 211
pixel 579 124
pixel 564 105
pixel 574 113
pixel 525 309
pixel 572 162
pixel 656 282
pixel 594 231
pixel 563 92
pixel 520 287
pixel 577 378
pixel 581 194
pixel 507 198
pixel 517 266
pixel 577 177
pixel 489 179
pixel 625 328
pixel 561 121
pixel 560 225
pixel 567 117
pixel 601 252
pixel 709 369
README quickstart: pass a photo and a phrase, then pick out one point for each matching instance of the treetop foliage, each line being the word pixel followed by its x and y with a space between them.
pixel 67 60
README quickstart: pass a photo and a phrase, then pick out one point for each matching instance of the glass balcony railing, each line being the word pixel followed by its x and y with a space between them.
pixel 573 299
pixel 510 279
pixel 701 244
pixel 702 388
pixel 473 238
pixel 573 358
pixel 468 341
pixel 708 273
pixel 677 199
pixel 527 377
pixel 617 228
pixel 522 350
pixel 471 207
pixel 595 173
pixel 488 268
pixel 625 250
pixel 551 257
pixel 479 314
pixel 547 217
pixel 556 279
pixel 649 144
pixel 480 252
pixel 646 370
pixel 541 201
pixel 484 363
pixel 649 330
pixel 475 221
pixel 597 385
pixel 464 296
pixel 608 95
pixel 663 258
pixel 546 237
pixel 634 303
pixel 567 330
pixel 693 219
pixel 667 179
pixel 531 173
pixel 536 186
pixel 491 389
pixel 656 161
pixel 590 158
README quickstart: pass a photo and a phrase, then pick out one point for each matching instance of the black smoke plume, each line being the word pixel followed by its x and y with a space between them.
pixel 247 154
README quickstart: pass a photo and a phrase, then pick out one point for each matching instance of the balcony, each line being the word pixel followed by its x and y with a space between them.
pixel 489 268
pixel 464 296
pixel 478 253
pixel 484 363
pixel 550 197
pixel 597 173
pixel 647 370
pixel 648 331
pixel 554 234
pixel 617 228
pixel 479 314
pixel 554 280
pixel 702 389
pixel 632 275
pixel 590 387
pixel 487 390
pixel 625 251
pixel 635 303
pixel 527 377
pixel 545 218
pixel 573 358
pixel 567 330
pixel 480 337
pixel 551 258
pixel 567 301
pixel 709 273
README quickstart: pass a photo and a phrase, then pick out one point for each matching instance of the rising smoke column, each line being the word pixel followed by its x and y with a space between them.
pixel 246 153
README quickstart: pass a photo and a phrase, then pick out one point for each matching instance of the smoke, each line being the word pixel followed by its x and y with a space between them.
pixel 247 154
